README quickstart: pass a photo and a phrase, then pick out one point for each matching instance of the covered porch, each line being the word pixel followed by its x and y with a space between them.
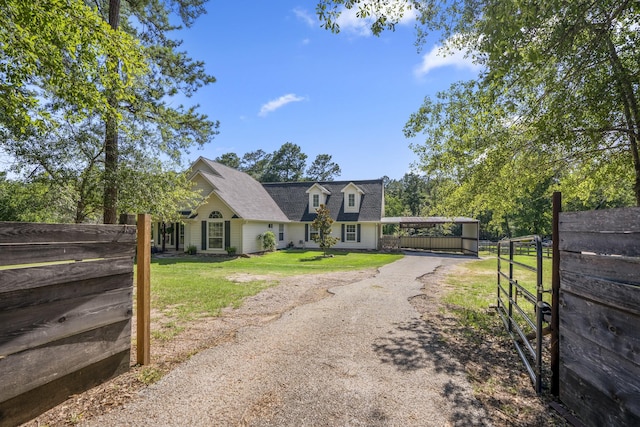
pixel 467 242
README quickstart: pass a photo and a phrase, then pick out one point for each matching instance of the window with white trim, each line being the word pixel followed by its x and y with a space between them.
pixel 350 232
pixel 216 235
pixel 215 215
pixel 182 234
pixel 352 200
pixel 316 200
pixel 281 232
pixel 313 232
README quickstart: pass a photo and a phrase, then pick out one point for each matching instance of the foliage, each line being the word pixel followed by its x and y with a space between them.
pixel 323 223
pixel 255 163
pixel 268 241
pixel 286 164
pixel 30 202
pixel 105 85
pixel 555 107
pixel 323 169
pixel 231 250
pixel 229 159
pixel 192 249
pixel 53 49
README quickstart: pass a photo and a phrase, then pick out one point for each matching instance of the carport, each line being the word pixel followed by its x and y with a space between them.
pixel 466 242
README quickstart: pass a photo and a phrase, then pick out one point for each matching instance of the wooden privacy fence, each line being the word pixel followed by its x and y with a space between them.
pixel 65 322
pixel 599 314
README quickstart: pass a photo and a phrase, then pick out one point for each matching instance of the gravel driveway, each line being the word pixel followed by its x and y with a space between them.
pixel 362 357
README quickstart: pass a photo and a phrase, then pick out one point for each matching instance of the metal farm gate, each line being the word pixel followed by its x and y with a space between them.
pixel 521 305
pixel 593 318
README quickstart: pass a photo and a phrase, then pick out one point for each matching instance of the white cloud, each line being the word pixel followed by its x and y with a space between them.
pixel 349 21
pixel 441 56
pixel 305 16
pixel 274 104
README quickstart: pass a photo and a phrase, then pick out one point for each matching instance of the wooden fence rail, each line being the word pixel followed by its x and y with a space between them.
pixel 65 312
pixel 599 314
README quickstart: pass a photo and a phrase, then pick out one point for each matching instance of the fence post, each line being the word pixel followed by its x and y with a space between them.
pixel 143 291
pixel 555 296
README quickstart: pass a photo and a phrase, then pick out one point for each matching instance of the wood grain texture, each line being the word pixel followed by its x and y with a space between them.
pixel 26 232
pixel 35 277
pixel 64 327
pixel 33 326
pixel 601 243
pixel 616 295
pixel 615 269
pixel 15 254
pixel 615 381
pixel 594 407
pixel 608 220
pixel 27 370
pixel 602 325
pixel 29 405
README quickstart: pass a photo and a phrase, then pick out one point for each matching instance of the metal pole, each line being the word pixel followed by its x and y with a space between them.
pixel 510 285
pixel 539 291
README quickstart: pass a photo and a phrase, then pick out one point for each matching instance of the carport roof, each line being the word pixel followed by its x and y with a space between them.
pixel 421 221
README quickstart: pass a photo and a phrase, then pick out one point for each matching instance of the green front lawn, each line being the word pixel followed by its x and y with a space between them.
pixel 193 286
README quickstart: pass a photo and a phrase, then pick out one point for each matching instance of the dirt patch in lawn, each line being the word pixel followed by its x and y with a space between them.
pixel 493 368
pixel 174 341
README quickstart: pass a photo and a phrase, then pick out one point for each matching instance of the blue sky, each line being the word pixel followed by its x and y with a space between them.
pixel 281 78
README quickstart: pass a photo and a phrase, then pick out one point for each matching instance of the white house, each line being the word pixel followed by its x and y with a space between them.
pixel 238 209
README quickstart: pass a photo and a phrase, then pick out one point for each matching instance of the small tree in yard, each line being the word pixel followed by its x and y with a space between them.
pixel 323 223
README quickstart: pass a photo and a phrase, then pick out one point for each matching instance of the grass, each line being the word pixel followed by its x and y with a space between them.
pixel 189 287
pixel 475 288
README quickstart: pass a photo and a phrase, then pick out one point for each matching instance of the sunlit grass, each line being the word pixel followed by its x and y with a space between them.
pixel 192 286
pixel 474 289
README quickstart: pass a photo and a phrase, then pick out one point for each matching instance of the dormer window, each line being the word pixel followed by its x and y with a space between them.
pixel 318 195
pixel 352 198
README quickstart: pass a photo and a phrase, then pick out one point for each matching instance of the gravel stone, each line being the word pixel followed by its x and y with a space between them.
pixel 362 357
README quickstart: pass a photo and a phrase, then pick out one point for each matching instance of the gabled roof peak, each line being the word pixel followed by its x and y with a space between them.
pixel 319 187
pixel 351 184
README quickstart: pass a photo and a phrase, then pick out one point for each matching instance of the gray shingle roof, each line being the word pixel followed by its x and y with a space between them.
pixel 243 194
pixel 294 201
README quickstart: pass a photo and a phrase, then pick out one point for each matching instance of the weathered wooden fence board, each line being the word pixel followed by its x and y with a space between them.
pixel 33 326
pixel 616 269
pixel 625 244
pixel 602 325
pixel 36 277
pixel 66 326
pixel 599 315
pixel 50 252
pixel 621 220
pixel 36 401
pixel 79 351
pixel 26 232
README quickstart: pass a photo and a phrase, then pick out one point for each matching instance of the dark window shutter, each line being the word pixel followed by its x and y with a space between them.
pixel 176 229
pixel 227 234
pixel 306 232
pixel 159 236
pixel 204 235
pixel 358 232
pixel 342 232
